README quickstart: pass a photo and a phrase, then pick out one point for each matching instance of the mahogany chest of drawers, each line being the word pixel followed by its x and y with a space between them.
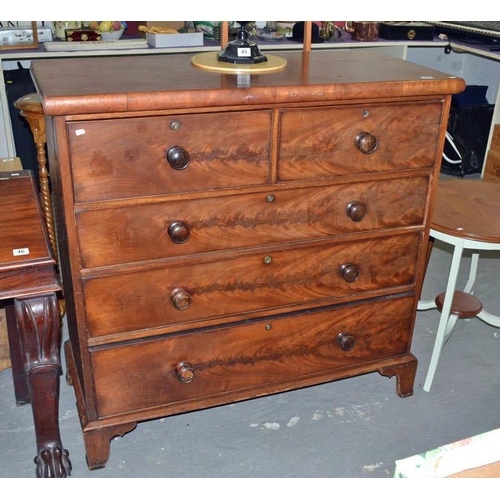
pixel 224 238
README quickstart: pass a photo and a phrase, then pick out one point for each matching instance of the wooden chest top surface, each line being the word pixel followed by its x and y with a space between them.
pixel 161 82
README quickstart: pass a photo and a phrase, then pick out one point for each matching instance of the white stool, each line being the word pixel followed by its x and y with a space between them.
pixel 467 216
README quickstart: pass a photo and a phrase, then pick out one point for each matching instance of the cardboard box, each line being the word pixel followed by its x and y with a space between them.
pixel 496 133
pixel 495 145
pixel 485 471
pixel 8 164
pixel 492 168
pixel 175 40
pixel 495 140
pixel 4 343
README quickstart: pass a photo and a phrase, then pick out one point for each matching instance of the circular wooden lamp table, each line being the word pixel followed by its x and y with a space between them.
pixel 464 216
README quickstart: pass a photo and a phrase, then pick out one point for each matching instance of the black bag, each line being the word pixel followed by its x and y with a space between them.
pixel 18 83
pixel 468 130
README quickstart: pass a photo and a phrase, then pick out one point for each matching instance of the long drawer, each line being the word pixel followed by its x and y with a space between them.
pixel 172 229
pixel 344 140
pixel 183 291
pixel 116 159
pixel 201 365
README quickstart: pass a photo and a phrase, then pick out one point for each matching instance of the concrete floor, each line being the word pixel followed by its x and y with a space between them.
pixel 352 428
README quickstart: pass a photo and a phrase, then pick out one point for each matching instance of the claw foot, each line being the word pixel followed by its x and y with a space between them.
pixel 53 462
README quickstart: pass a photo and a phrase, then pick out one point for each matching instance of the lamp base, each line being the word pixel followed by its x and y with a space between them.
pixel 241 50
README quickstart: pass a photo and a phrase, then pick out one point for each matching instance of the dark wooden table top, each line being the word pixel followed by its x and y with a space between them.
pixel 468 208
pixel 23 239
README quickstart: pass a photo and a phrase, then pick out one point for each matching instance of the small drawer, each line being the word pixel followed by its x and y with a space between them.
pixel 177 228
pixel 116 159
pixel 335 141
pixel 205 364
pixel 232 283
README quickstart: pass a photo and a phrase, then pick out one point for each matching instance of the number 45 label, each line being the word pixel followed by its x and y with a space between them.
pixel 244 52
pixel 20 251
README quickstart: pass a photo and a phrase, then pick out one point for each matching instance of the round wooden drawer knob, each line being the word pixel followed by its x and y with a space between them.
pixel 180 299
pixel 350 272
pixel 178 158
pixel 184 372
pixel 178 232
pixel 346 341
pixel 366 143
pixel 356 210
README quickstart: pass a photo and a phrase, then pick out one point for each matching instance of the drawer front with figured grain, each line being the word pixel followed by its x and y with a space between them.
pixel 177 228
pixel 344 140
pixel 116 159
pixel 227 284
pixel 197 365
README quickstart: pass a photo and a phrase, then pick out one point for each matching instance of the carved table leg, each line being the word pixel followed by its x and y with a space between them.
pixel 21 389
pixel 405 375
pixel 38 323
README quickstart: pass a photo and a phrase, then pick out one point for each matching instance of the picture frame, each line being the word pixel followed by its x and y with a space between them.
pixel 21 45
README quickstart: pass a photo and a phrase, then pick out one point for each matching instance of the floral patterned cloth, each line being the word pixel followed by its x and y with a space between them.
pixel 444 461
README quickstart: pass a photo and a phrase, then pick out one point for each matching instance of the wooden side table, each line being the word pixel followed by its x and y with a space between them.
pixel 465 217
pixel 29 285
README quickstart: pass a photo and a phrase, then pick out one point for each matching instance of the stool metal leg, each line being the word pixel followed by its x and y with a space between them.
pixel 424 305
pixel 443 329
pixel 490 319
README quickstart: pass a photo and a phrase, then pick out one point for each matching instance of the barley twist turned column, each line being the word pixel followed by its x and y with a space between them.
pixel 31 109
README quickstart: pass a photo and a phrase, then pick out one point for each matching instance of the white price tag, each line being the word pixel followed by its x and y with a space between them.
pixel 20 251
pixel 244 52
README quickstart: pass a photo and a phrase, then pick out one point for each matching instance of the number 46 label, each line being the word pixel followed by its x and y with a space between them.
pixel 244 52
pixel 21 251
